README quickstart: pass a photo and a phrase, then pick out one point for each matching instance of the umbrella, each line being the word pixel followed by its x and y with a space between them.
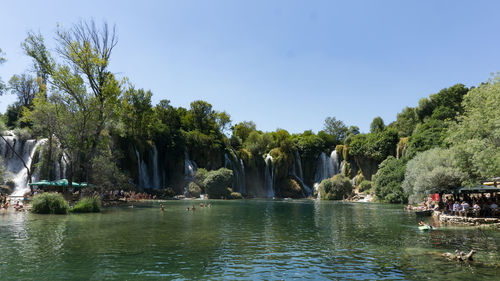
pixel 41 183
pixel 479 189
pixel 61 182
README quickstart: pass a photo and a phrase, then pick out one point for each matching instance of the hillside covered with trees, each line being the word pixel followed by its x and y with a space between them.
pixel 107 131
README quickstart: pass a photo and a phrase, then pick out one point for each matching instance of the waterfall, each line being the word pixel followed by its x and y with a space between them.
pixel 236 165
pixel 327 167
pixel 13 165
pixel 297 173
pixel 57 170
pixel 64 164
pixel 145 179
pixel 243 186
pixel 342 166
pixel 298 168
pixel 324 168
pixel 269 176
pixel 142 171
pixel 190 168
pixel 156 174
pixel 335 162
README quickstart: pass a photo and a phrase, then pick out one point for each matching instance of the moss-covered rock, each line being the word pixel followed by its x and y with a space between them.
pixel 291 188
pixel 236 195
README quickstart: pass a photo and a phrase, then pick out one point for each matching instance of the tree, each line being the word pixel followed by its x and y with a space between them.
pixel 377 125
pixel 25 87
pixel 431 171
pixel 223 119
pixel 217 183
pixel 353 130
pixel 85 91
pixel 476 135
pixel 336 128
pixel 243 129
pixel 335 188
pixel 388 181
pixel 2 84
pixel 406 122
pixel 136 111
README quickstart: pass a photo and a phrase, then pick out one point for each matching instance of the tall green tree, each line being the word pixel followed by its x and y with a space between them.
pixel 377 125
pixel 25 87
pixel 136 112
pixel 85 92
pixel 476 135
pixel 431 171
pixel 2 84
pixel 336 128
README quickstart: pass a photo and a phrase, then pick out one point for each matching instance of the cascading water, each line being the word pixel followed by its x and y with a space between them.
pixel 145 179
pixel 14 166
pixel 190 168
pixel 156 174
pixel 335 162
pixel 298 167
pixel 142 171
pixel 236 165
pixel 326 168
pixel 64 164
pixel 269 176
pixel 296 171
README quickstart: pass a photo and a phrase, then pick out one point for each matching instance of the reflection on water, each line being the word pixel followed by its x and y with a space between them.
pixel 252 239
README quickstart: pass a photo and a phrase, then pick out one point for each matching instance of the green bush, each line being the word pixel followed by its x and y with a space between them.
pixel 88 205
pixel 388 181
pixel 194 190
pixel 236 195
pixel 217 182
pixel 291 189
pixel 359 179
pixel 49 203
pixel 335 188
pixel 365 186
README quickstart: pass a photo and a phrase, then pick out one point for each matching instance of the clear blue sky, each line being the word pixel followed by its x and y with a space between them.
pixel 282 64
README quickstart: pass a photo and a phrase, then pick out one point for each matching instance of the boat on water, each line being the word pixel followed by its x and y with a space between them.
pixel 425 227
pixel 426 213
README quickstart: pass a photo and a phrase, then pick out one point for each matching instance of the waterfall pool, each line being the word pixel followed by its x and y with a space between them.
pixel 245 239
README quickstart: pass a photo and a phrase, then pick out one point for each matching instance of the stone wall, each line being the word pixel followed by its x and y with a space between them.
pixel 469 221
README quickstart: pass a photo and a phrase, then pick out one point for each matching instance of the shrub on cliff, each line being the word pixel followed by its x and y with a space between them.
pixel 88 205
pixel 194 190
pixel 217 182
pixel 49 203
pixel 236 195
pixel 335 188
pixel 365 186
pixel 291 189
pixel 388 181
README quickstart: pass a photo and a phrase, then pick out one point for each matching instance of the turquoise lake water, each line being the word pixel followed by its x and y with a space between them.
pixel 245 239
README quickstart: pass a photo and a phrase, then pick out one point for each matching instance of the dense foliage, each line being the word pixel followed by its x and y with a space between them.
pixel 49 203
pixel 104 128
pixel 388 181
pixel 432 171
pixel 217 183
pixel 88 205
pixel 336 188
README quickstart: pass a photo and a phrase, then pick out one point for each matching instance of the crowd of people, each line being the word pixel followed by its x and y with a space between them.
pixel 5 203
pixel 467 206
